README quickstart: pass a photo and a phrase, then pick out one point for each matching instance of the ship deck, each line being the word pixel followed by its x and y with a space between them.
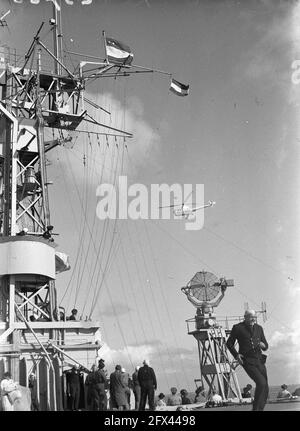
pixel 270 406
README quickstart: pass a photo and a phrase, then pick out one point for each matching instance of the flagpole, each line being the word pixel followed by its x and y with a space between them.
pixel 105 49
pixel 152 70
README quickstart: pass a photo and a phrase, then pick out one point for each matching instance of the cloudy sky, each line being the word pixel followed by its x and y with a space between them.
pixel 237 133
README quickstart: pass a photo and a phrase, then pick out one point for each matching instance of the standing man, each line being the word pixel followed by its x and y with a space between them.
pixel 118 390
pixel 251 339
pixel 148 384
pixel 126 380
pixel 136 388
pixel 73 387
pixel 92 400
pixel 101 385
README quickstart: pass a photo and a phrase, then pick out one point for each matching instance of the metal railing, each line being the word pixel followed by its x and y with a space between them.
pixel 225 322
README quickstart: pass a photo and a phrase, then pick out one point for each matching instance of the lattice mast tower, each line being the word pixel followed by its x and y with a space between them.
pixel 31 101
pixel 217 369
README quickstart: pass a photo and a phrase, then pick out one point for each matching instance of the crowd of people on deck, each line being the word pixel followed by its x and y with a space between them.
pixel 114 391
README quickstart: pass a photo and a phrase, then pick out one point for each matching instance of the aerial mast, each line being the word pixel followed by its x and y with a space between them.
pixel 34 334
pixel 217 370
pixel 34 337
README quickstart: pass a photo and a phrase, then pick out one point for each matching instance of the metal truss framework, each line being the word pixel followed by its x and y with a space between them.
pixel 216 367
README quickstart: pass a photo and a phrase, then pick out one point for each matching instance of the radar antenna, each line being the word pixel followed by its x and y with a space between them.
pixel 205 291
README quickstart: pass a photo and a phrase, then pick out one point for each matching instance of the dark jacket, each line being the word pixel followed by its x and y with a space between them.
pixel 146 377
pixel 248 339
pixel 73 378
pixel 100 380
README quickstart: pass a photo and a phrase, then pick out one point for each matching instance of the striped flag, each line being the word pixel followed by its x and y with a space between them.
pixel 178 88
pixel 117 52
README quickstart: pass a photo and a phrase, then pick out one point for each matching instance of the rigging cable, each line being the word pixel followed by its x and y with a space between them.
pixel 148 241
pixel 99 251
pixel 95 298
pixel 85 197
pixel 215 271
pixel 84 266
pixel 153 297
pixel 164 298
pixel 142 290
pixel 81 229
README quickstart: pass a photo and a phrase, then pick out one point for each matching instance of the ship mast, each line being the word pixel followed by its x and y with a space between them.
pixel 34 337
pixel 34 334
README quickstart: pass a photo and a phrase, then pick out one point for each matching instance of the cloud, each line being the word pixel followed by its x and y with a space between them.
pixel 145 144
pixel 285 351
pixel 153 343
pixel 93 157
pixel 169 357
pixel 270 58
pixel 118 309
pixel 129 356
pixel 178 353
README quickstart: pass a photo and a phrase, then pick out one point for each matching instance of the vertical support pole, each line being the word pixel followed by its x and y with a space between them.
pixel 14 359
pixel 200 360
pixel 48 389
pixel 55 40
pixel 37 373
pixel 13 228
pixel 11 300
pixel 212 345
pixel 41 148
pixel 104 43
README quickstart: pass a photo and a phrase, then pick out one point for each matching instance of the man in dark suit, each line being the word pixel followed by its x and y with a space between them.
pixel 101 384
pixel 73 387
pixel 148 384
pixel 251 339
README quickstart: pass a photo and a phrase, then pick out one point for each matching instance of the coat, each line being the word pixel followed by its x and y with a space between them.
pixel 118 388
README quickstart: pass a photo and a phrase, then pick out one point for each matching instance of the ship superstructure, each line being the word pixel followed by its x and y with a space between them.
pixel 34 334
pixel 43 94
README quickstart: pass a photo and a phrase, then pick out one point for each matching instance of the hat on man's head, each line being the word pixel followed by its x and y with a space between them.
pixel 101 363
